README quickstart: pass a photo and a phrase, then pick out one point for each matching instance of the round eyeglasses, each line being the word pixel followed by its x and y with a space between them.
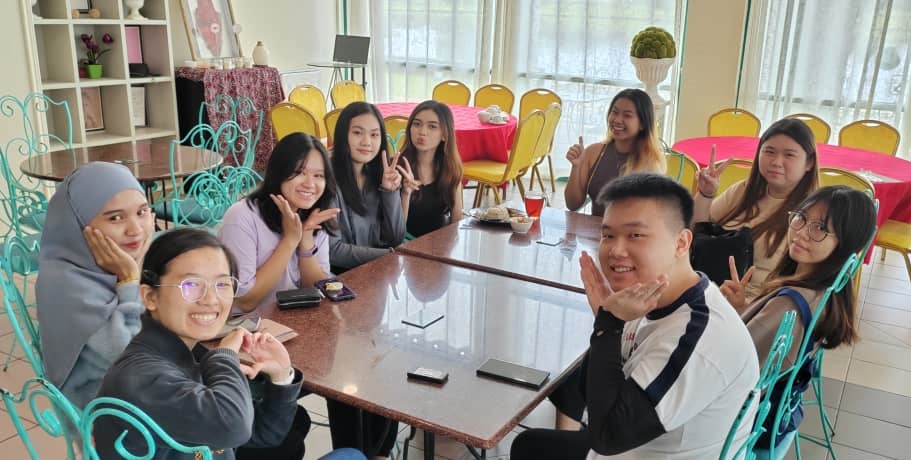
pixel 193 289
pixel 816 230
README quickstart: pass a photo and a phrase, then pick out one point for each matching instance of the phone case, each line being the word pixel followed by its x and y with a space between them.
pixel 428 375
pixel 249 323
pixel 345 294
pixel 513 373
pixel 298 298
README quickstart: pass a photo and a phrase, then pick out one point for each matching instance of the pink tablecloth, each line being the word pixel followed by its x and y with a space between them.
pixel 476 140
pixel 261 84
pixel 894 197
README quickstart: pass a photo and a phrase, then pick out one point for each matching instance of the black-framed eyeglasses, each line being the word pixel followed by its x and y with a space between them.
pixel 192 289
pixel 816 230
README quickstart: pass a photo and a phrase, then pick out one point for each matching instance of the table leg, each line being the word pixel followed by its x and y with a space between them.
pixel 429 447
pixel 474 453
pixel 359 427
pixel 408 442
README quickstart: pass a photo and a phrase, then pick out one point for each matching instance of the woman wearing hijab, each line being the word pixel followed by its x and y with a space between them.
pixel 98 229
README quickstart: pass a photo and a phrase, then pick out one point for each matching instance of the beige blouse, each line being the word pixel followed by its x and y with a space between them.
pixel 767 206
pixel 763 317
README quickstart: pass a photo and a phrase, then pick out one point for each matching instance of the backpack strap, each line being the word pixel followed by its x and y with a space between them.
pixel 803 309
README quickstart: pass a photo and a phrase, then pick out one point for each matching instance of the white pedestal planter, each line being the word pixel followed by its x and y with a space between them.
pixel 651 72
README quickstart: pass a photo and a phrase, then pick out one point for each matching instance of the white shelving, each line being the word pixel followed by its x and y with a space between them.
pixel 56 50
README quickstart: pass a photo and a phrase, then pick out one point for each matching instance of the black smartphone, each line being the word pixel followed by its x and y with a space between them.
pixel 514 373
pixel 343 293
pixel 428 375
pixel 423 318
pixel 298 298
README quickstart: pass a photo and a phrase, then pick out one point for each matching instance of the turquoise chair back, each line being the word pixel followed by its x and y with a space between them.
pixel 240 110
pixel 214 189
pixel 24 203
pixel 17 252
pixel 760 396
pixel 48 407
pixel 786 406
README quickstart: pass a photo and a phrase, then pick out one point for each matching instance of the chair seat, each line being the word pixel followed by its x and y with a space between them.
pixel 484 171
pixel 895 234
pixel 22 267
pixel 190 211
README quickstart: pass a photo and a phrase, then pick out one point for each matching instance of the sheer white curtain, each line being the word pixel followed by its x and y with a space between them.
pixel 842 61
pixel 423 42
pixel 580 50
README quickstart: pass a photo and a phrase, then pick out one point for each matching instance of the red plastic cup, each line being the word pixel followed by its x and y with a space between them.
pixel 534 203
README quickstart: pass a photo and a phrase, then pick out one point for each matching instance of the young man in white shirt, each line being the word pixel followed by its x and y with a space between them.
pixel 670 362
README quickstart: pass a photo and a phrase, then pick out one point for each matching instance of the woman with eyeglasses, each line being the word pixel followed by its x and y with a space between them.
pixel 822 233
pixel 199 396
pixel 99 226
pixel 784 173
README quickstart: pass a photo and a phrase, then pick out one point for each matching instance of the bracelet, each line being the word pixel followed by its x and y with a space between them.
pixel 308 253
pixel 128 280
pixel 707 196
pixel 287 380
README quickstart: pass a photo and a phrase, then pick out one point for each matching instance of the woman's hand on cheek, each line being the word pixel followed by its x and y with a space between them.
pixel 317 217
pixel 109 256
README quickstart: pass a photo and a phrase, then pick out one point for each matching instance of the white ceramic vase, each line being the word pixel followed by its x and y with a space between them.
pixel 134 6
pixel 651 72
pixel 260 54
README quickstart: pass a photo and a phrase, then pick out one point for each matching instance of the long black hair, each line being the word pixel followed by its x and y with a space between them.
pixel 286 161
pixel 341 155
pixel 852 216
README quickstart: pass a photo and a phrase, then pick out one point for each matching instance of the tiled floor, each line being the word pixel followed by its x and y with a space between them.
pixel 867 387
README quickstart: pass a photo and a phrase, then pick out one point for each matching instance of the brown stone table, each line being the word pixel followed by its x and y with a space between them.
pixel 358 351
pixel 149 161
pixel 497 249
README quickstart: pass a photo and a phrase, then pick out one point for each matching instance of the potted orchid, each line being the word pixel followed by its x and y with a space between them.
pixel 94 52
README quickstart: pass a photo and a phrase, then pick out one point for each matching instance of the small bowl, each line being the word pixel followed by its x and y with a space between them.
pixel 484 117
pixel 521 224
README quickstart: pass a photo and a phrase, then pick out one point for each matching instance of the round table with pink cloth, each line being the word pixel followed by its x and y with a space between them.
pixel 892 186
pixel 475 140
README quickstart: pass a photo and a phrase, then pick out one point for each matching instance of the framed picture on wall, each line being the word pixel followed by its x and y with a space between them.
pixel 138 97
pixel 133 39
pixel 91 107
pixel 211 29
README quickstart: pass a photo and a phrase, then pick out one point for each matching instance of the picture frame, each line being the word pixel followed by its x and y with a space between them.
pixel 91 108
pixel 83 6
pixel 133 38
pixel 138 97
pixel 199 24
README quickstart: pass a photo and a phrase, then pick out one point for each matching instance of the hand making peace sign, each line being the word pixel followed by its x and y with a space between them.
pixel 391 177
pixel 734 289
pixel 707 178
pixel 409 183
pixel 576 153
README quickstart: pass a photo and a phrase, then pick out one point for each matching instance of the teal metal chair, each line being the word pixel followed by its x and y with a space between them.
pixel 786 406
pixel 236 110
pixel 23 199
pixel 60 419
pixel 18 253
pixel 203 198
pixel 760 396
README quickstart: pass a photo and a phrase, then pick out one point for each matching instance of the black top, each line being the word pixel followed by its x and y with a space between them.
pixel 427 211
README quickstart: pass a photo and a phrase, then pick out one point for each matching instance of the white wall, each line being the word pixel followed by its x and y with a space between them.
pixel 16 80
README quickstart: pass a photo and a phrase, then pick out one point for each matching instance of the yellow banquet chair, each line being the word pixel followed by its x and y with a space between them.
pixel 290 118
pixel 542 151
pixel 345 92
pixel 682 168
pixel 838 176
pixel 451 92
pixel 872 135
pixel 895 235
pixel 495 94
pixel 311 98
pixel 737 170
pixel 395 132
pixel 821 129
pixel 733 122
pixel 491 174
pixel 537 99
pixel 330 120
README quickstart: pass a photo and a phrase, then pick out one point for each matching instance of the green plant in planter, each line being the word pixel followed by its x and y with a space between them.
pixel 653 43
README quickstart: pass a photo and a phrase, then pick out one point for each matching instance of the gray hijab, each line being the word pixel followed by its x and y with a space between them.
pixel 75 296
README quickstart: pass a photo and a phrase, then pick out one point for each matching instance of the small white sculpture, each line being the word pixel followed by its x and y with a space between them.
pixel 134 6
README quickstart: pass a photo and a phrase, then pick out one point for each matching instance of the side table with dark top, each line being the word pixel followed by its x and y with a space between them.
pixel 261 84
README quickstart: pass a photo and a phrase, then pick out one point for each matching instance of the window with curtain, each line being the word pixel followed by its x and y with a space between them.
pixel 580 50
pixel 424 43
pixel 853 65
